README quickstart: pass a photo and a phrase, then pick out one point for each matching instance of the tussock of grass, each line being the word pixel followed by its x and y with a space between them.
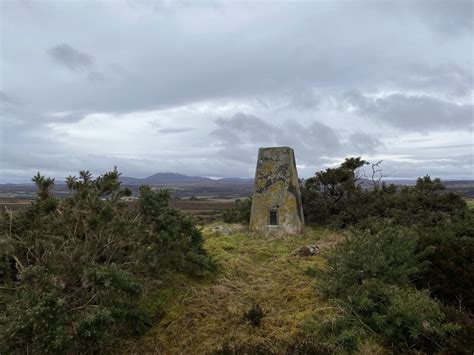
pixel 207 316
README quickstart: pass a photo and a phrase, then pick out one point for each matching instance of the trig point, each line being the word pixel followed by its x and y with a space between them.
pixel 276 203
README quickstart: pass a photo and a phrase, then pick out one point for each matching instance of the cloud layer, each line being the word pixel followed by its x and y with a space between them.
pixel 197 87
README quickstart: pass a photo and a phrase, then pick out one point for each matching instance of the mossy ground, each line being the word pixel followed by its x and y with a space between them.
pixel 206 316
pixel 470 202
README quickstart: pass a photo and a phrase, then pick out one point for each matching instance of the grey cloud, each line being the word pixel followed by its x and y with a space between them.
pixel 313 140
pixel 248 127
pixel 9 108
pixel 451 167
pixel 96 77
pixel 449 78
pixel 365 143
pixel 181 53
pixel 240 136
pixel 174 130
pixel 71 58
pixel 302 97
pixel 219 54
pixel 6 99
pixel 451 17
pixel 157 126
pixel 418 113
pixel 236 136
pixel 455 146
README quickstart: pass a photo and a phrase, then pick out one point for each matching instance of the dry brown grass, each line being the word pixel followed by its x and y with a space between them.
pixel 207 316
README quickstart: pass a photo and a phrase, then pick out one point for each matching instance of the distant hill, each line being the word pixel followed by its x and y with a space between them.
pixel 163 178
pixel 175 178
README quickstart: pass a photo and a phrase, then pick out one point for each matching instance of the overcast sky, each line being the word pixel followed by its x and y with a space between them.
pixel 196 87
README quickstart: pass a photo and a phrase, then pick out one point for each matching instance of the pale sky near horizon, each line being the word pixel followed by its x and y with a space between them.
pixel 195 87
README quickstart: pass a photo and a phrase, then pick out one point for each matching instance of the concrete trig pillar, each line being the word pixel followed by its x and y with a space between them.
pixel 276 203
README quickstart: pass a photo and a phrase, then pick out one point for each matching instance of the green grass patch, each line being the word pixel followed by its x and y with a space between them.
pixel 206 316
pixel 470 203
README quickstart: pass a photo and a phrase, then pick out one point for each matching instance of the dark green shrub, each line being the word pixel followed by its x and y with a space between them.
pixel 37 314
pixel 254 315
pixel 175 240
pixel 329 192
pixel 385 253
pixel 460 342
pixel 449 276
pixel 71 271
pixel 439 221
pixel 368 278
pixel 240 213
pixel 340 198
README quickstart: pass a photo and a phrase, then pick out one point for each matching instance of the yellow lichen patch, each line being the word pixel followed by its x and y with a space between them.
pixel 207 316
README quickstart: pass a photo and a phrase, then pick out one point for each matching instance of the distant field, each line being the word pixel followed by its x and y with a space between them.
pixel 206 210
pixel 14 203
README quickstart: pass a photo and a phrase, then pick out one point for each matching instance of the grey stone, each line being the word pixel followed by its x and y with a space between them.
pixel 307 250
pixel 276 203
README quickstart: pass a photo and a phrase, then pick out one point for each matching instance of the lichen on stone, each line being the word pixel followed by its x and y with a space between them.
pixel 276 189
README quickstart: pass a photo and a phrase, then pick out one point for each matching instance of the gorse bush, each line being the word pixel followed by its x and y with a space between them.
pixel 71 271
pixel 385 253
pixel 449 277
pixel 368 278
pixel 340 197
pixel 175 239
pixel 240 213
pixel 402 237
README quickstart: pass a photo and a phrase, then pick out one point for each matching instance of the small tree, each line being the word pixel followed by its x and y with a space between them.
pixel 330 191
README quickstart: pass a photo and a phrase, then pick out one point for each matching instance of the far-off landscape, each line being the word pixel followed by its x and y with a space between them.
pixel 222 177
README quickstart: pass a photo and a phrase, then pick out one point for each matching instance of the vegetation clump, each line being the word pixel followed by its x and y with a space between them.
pixel 254 315
pixel 368 278
pixel 240 213
pixel 72 271
pixel 376 297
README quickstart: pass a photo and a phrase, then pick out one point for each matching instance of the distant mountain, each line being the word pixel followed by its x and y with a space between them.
pixel 163 178
pixel 175 178
pixel 172 177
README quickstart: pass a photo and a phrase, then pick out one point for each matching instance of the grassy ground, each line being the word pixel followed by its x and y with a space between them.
pixel 206 316
pixel 470 202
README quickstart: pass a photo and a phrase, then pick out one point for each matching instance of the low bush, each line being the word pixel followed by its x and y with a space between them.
pixel 439 221
pixel 71 271
pixel 240 213
pixel 339 197
pixel 449 276
pixel 460 342
pixel 368 279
